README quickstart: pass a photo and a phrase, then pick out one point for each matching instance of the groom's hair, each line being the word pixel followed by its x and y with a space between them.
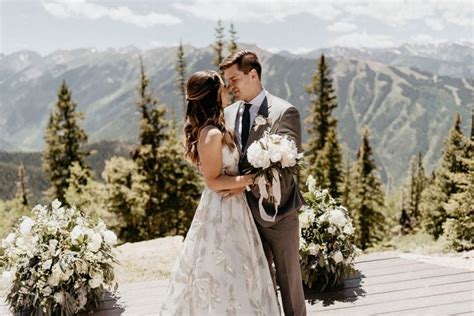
pixel 245 60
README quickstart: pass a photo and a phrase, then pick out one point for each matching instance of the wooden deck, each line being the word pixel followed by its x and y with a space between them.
pixel 385 285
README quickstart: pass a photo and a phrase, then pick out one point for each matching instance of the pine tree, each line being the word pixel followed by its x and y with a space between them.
pixel 64 142
pixel 219 44
pixel 346 183
pixel 181 70
pixel 233 40
pixel 329 161
pixel 181 188
pixel 21 184
pixel 436 196
pixel 459 226
pixel 367 198
pixel 420 183
pixel 322 128
pixel 152 135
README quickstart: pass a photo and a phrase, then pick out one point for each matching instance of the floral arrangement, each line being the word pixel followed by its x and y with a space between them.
pixel 58 261
pixel 268 155
pixel 327 251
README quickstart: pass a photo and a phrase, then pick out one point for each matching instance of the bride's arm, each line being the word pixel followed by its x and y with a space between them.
pixel 210 154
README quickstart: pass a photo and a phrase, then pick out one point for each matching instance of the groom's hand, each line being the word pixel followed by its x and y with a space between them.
pixel 230 193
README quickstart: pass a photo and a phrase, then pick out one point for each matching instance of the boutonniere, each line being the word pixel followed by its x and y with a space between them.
pixel 260 120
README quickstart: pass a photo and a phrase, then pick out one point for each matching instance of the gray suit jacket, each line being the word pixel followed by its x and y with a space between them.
pixel 284 120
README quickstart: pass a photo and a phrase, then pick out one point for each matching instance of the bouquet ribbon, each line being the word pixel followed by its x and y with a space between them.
pixel 275 192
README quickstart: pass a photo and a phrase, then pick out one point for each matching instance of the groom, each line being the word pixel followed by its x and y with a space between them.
pixel 280 238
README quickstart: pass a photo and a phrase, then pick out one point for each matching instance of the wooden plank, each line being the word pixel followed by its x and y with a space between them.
pixel 393 305
pixel 453 308
pixel 376 256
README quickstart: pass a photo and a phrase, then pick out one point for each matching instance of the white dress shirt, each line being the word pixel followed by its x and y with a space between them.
pixel 256 103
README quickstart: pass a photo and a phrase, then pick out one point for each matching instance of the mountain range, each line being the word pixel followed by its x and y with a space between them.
pixel 407 96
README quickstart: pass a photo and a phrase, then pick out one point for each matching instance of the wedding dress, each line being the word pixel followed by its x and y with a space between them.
pixel 222 268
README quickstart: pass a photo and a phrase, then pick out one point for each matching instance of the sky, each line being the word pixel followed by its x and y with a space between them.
pixel 297 26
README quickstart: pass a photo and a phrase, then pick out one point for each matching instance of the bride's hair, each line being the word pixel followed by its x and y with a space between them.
pixel 204 108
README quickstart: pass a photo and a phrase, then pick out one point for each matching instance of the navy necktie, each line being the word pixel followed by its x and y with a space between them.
pixel 246 124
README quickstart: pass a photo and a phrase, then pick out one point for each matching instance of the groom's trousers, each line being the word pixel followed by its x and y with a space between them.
pixel 281 245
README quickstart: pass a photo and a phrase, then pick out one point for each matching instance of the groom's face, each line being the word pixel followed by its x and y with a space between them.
pixel 242 85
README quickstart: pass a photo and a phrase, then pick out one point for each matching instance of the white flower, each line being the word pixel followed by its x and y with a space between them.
pixel 76 232
pixel 110 237
pixel 290 153
pixel 260 120
pixel 8 275
pixel 52 246
pixel 313 249
pixel 96 280
pixel 82 298
pixel 337 217
pixel 331 230
pixel 311 183
pixel 67 274
pixel 257 156
pixel 59 298
pixel 47 264
pixel 8 240
pixel 306 217
pixel 337 256
pixel 95 242
pixel 25 226
pixel 348 229
pixel 56 204
pixel 47 291
pixel 55 277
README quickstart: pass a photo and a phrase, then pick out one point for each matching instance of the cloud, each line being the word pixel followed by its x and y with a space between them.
pixel 84 9
pixel 363 39
pixel 434 24
pixel 257 11
pixel 342 27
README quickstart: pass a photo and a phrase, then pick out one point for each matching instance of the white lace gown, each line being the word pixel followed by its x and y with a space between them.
pixel 222 268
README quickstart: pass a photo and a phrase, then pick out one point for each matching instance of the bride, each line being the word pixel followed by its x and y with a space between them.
pixel 222 268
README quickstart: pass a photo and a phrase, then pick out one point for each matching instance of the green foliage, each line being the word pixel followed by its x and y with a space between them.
pixel 327 249
pixel 459 226
pixel 447 181
pixel 22 189
pixel 232 48
pixel 367 198
pixel 411 195
pixel 11 211
pixel 323 150
pixel 181 77
pixel 218 44
pixel 64 142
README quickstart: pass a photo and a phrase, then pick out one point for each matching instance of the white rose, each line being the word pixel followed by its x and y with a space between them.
pixel 47 291
pixel 274 153
pixel 259 120
pixel 25 226
pixel 52 246
pixel 59 298
pixel 110 237
pixel 337 256
pixel 76 232
pixel 313 249
pixel 348 229
pixel 56 204
pixel 96 280
pixel 95 242
pixel 8 240
pixel 290 153
pixel 337 217
pixel 257 156
pixel 47 264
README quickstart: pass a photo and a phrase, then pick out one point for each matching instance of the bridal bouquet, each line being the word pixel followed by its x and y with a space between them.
pixel 327 251
pixel 57 261
pixel 268 156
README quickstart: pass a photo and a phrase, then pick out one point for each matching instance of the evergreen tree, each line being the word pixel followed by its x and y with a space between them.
pixel 324 164
pixel 420 183
pixel 233 40
pixel 329 161
pixel 459 226
pixel 219 44
pixel 152 135
pixel 444 185
pixel 181 70
pixel 64 142
pixel 346 183
pixel 22 190
pixel 367 198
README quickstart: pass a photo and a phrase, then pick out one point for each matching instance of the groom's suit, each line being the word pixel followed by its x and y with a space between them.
pixel 280 238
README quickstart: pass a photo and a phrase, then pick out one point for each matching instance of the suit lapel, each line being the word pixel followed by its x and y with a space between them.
pixel 231 120
pixel 256 133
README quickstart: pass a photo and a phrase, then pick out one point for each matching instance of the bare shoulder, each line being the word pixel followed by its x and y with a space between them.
pixel 210 134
